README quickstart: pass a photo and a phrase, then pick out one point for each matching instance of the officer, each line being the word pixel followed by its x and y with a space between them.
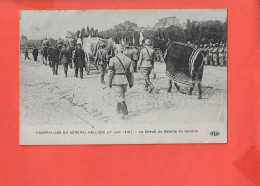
pixel 146 64
pixel 221 55
pixel 120 74
pixel 55 59
pixel 64 58
pixel 135 57
pixel 35 53
pixel 78 58
pixel 215 54
pixel 26 54
pixel 210 54
pixel 101 61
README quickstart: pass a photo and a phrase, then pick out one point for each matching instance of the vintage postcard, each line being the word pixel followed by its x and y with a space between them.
pixel 123 76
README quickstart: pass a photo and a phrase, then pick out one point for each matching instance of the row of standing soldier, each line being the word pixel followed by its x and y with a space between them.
pixel 214 54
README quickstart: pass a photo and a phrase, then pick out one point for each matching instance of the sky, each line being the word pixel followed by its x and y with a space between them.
pixel 55 24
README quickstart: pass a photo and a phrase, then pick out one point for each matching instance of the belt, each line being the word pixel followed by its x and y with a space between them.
pixel 120 73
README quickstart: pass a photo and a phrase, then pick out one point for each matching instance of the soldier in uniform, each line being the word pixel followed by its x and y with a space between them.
pixel 55 59
pixel 71 49
pixel 146 64
pixel 35 53
pixel 205 53
pixel 101 61
pixel 64 58
pixel 215 54
pixel 26 54
pixel 221 55
pixel 210 54
pixel 49 54
pixel 120 74
pixel 135 57
pixel 78 58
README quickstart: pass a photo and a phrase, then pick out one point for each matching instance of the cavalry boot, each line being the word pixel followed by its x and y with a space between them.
pixel 118 108
pixel 66 72
pixel 200 95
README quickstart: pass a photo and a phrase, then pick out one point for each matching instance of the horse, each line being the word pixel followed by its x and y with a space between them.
pixel 184 64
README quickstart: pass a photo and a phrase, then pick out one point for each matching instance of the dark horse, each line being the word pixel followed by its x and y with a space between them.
pixel 184 64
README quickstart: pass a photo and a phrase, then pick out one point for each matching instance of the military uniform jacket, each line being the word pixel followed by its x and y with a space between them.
pixel 221 52
pixel 35 52
pixel 55 53
pixel 147 57
pixel 79 57
pixel 119 75
pixel 210 51
pixel 215 51
pixel 64 56
pixel 101 57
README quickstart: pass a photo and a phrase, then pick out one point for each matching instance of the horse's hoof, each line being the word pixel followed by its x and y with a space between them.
pixel 169 90
pixel 189 93
pixel 200 97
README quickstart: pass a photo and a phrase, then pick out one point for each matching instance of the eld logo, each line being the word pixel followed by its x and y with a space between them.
pixel 214 133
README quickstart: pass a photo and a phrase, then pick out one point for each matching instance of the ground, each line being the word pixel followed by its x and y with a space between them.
pixel 54 99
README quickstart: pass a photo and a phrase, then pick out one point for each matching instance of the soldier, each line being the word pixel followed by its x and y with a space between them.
pixel 55 59
pixel 26 54
pixel 146 64
pixel 78 58
pixel 135 57
pixel 128 52
pixel 71 49
pixel 221 55
pixel 215 54
pixel 35 53
pixel 101 61
pixel 49 54
pixel 205 53
pixel 210 54
pixel 120 74
pixel 64 58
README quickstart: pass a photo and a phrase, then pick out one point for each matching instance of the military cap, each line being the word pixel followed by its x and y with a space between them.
pixel 148 42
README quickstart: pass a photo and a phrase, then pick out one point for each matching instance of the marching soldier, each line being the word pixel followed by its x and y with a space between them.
pixel 215 54
pixel 71 49
pixel 221 55
pixel 78 57
pixel 64 58
pixel 210 54
pixel 120 74
pixel 55 59
pixel 35 53
pixel 49 54
pixel 146 64
pixel 26 54
pixel 135 57
pixel 101 61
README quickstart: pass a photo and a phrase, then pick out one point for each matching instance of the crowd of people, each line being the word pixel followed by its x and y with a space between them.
pixel 121 65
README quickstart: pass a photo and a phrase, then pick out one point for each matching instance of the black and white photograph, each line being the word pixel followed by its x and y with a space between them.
pixel 146 76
